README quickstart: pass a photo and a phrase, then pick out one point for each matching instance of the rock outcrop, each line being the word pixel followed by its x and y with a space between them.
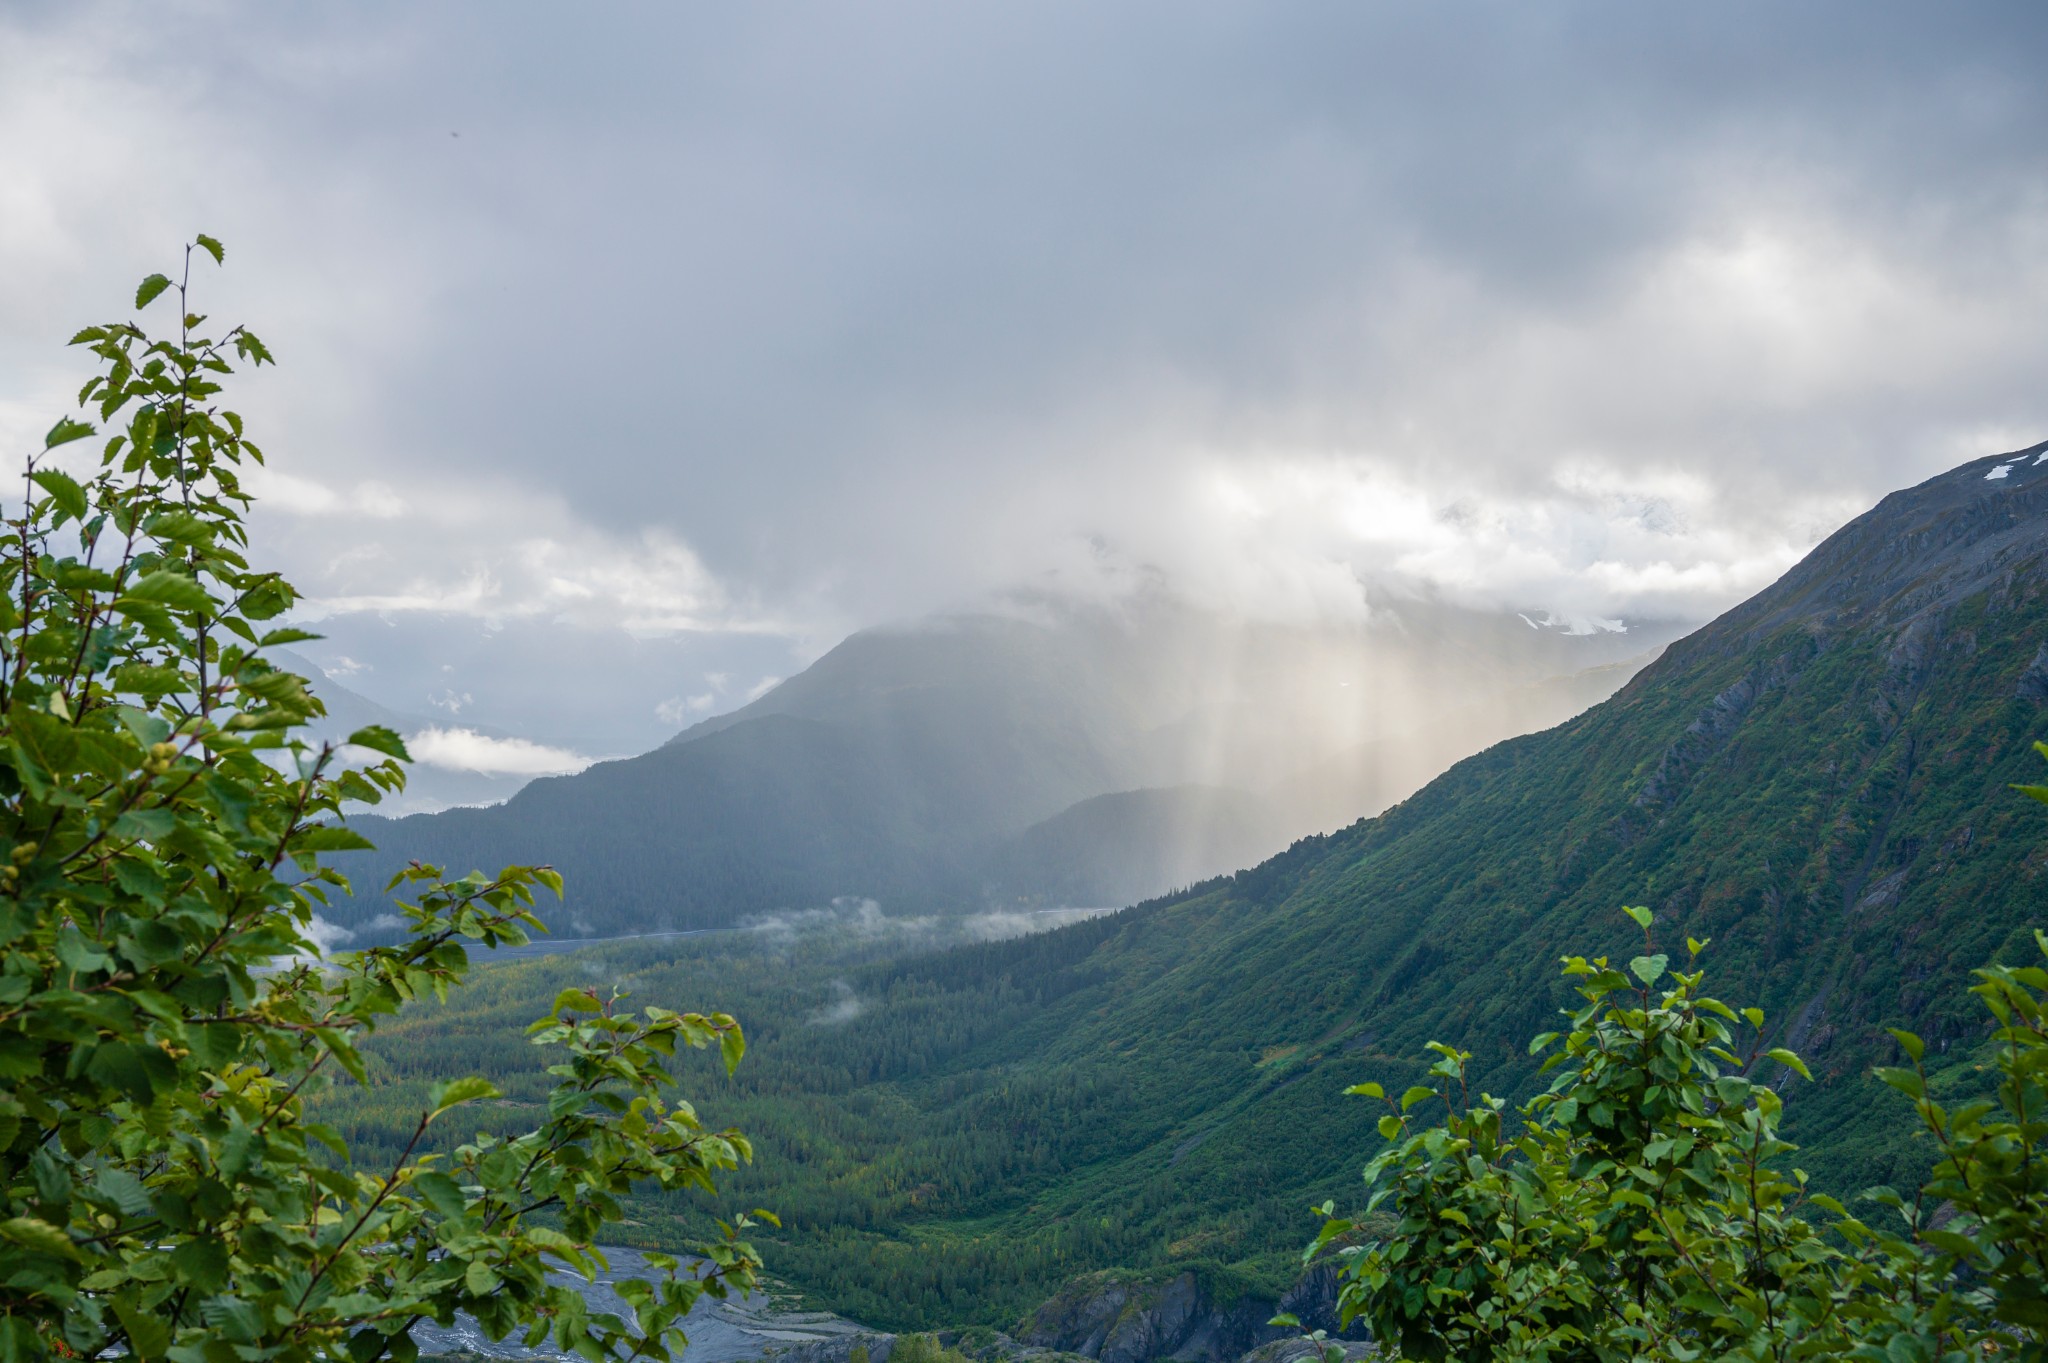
pixel 1117 1318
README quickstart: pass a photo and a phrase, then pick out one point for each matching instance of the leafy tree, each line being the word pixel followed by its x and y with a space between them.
pixel 164 1016
pixel 1639 1208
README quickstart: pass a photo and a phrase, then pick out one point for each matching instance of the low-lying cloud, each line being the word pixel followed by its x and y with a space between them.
pixel 844 1007
pixel 864 918
pixel 468 750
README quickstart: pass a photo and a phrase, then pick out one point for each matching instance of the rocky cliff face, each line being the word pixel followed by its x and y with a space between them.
pixel 1116 1319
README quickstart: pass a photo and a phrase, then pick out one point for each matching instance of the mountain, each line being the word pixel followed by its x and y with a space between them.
pixel 1817 783
pixel 909 765
pixel 1120 848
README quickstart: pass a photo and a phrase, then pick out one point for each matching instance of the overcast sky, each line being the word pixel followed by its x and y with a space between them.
pixel 630 355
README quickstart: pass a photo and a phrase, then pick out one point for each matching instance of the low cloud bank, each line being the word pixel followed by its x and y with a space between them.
pixel 864 918
pixel 459 749
pixel 844 1008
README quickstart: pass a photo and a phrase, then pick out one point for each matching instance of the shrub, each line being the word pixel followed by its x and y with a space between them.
pixel 1640 1209
pixel 163 1013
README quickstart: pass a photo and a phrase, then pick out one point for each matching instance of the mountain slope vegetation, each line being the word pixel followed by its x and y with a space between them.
pixel 1817 782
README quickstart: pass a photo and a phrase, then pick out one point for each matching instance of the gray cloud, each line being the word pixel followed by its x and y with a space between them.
pixel 716 332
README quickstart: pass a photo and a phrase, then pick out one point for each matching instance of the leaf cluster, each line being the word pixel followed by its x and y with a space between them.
pixel 1641 1208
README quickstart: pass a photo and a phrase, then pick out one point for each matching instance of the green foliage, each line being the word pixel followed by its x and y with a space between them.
pixel 164 1017
pixel 923 1348
pixel 1639 1208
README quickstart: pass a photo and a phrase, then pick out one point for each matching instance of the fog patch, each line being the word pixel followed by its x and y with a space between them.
pixel 844 1008
pixel 462 749
pixel 324 936
pixel 847 913
pixel 999 925
pixel 863 918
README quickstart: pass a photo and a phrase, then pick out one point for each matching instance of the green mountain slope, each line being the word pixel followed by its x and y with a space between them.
pixel 1817 781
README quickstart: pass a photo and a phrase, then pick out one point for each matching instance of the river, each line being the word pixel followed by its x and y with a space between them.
pixel 719 1331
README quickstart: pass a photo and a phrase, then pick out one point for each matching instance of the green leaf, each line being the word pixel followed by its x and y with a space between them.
pixel 149 1333
pixel 181 527
pixel 331 837
pixel 122 1189
pixel 480 1278
pixel 1731 1090
pixel 1908 1042
pixel 150 288
pixel 1649 969
pixel 1417 1094
pixel 40 1236
pixel 1907 1348
pixel 575 1001
pixel 202 1263
pixel 441 1192
pixel 78 954
pixel 377 738
pixel 147 825
pixel 453 1092
pixel 64 432
pixel 1390 1126
pixel 1790 1062
pixel 168 588
pixel 1366 1090
pixel 731 1046
pixel 1641 916
pixel 134 1069
pixel 1905 1081
pixel 211 247
pixel 64 491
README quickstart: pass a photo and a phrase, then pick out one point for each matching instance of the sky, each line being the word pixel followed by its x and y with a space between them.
pixel 632 355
